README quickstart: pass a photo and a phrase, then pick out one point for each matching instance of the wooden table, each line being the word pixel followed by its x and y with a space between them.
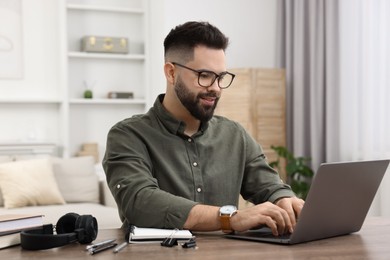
pixel 372 242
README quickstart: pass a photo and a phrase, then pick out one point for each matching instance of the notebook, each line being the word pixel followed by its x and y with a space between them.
pixel 153 235
pixel 337 203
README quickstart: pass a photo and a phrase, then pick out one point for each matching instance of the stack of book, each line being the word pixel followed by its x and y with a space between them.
pixel 12 224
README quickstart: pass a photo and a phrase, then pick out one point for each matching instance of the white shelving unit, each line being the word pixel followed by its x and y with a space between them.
pixel 89 120
pixel 46 105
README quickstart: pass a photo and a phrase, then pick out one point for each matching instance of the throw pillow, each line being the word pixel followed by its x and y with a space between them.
pixel 4 159
pixel 29 183
pixel 77 179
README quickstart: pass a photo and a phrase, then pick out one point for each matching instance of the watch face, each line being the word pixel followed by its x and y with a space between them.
pixel 227 210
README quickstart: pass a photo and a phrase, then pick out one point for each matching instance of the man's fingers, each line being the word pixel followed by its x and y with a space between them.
pixel 272 225
pixel 293 207
pixel 280 218
pixel 297 206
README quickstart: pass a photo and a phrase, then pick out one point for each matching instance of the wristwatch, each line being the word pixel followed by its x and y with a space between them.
pixel 225 213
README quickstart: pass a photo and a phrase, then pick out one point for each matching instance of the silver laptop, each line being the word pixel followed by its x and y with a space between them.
pixel 337 204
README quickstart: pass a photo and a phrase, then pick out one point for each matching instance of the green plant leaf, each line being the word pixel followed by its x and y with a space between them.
pixel 298 171
pixel 274 164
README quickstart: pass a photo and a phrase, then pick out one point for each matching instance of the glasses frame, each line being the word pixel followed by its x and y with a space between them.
pixel 217 76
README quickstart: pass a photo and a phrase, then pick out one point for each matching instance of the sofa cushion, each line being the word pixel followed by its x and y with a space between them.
pixel 29 183
pixel 77 179
pixel 4 159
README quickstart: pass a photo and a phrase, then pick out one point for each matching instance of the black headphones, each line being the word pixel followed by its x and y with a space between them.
pixel 70 228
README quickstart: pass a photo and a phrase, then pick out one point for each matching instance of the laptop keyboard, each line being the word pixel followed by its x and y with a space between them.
pixel 266 233
pixel 270 235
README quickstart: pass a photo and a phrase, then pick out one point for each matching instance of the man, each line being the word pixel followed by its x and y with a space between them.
pixel 179 166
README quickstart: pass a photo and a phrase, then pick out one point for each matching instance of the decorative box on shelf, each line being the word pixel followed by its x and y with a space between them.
pixel 116 94
pixel 105 44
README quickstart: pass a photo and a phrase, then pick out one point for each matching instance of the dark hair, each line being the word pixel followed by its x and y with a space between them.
pixel 185 37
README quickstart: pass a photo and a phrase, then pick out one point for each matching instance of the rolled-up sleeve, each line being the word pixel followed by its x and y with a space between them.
pixel 261 182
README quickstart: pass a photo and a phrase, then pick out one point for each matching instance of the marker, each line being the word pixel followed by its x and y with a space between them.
pixel 120 247
pixel 105 242
pixel 96 250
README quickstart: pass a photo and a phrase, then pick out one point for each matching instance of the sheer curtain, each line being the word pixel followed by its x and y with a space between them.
pixel 365 87
pixel 308 50
pixel 337 59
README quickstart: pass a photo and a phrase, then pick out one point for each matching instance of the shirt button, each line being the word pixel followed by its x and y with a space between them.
pixel 195 164
pixel 118 186
pixel 189 140
pixel 199 189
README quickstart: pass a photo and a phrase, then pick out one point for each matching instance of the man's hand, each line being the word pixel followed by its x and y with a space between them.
pixel 280 217
pixel 293 206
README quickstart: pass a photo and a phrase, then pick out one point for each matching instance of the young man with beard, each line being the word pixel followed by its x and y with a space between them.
pixel 179 166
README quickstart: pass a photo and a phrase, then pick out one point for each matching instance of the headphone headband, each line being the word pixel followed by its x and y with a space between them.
pixel 70 228
pixel 47 239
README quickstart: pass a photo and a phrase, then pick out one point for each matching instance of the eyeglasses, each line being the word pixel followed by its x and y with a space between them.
pixel 206 78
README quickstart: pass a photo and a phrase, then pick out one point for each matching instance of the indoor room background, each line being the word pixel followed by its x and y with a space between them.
pixel 36 106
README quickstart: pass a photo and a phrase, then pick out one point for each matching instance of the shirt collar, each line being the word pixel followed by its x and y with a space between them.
pixel 173 125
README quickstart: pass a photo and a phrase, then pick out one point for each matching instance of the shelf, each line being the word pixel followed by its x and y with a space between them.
pixel 122 72
pixel 27 148
pixel 103 101
pixel 88 55
pixel 105 9
pixel 30 101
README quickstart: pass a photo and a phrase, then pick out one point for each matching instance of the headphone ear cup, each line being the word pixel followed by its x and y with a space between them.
pixel 86 228
pixel 67 223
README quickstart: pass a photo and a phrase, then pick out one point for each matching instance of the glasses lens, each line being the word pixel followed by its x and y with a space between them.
pixel 206 79
pixel 225 80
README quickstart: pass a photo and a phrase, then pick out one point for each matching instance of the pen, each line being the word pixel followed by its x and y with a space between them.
pixel 120 247
pixel 96 250
pixel 105 242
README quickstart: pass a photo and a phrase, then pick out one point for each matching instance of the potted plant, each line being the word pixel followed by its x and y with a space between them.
pixel 298 173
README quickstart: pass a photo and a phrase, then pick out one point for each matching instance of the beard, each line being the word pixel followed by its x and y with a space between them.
pixel 193 104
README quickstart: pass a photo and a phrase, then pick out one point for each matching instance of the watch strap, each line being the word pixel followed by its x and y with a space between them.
pixel 225 223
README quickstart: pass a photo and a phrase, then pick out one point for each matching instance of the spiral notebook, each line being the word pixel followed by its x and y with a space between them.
pixel 153 235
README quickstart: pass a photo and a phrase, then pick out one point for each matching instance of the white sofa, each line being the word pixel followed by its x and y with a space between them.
pixel 53 187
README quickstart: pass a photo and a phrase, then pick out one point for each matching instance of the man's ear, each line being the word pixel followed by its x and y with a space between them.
pixel 169 70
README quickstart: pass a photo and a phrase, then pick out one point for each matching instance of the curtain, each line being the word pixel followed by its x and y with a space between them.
pixel 308 39
pixel 337 59
pixel 365 87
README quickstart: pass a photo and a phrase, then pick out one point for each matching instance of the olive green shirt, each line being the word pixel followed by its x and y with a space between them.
pixel 157 173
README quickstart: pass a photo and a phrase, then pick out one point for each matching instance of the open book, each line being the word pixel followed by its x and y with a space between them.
pixel 145 235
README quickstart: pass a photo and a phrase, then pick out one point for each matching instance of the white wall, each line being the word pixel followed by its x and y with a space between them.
pixel 40 77
pixel 249 24
pixel 40 43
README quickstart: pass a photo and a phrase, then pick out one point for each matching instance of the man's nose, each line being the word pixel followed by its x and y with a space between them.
pixel 214 87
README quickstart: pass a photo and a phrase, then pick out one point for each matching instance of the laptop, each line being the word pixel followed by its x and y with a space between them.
pixel 337 203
